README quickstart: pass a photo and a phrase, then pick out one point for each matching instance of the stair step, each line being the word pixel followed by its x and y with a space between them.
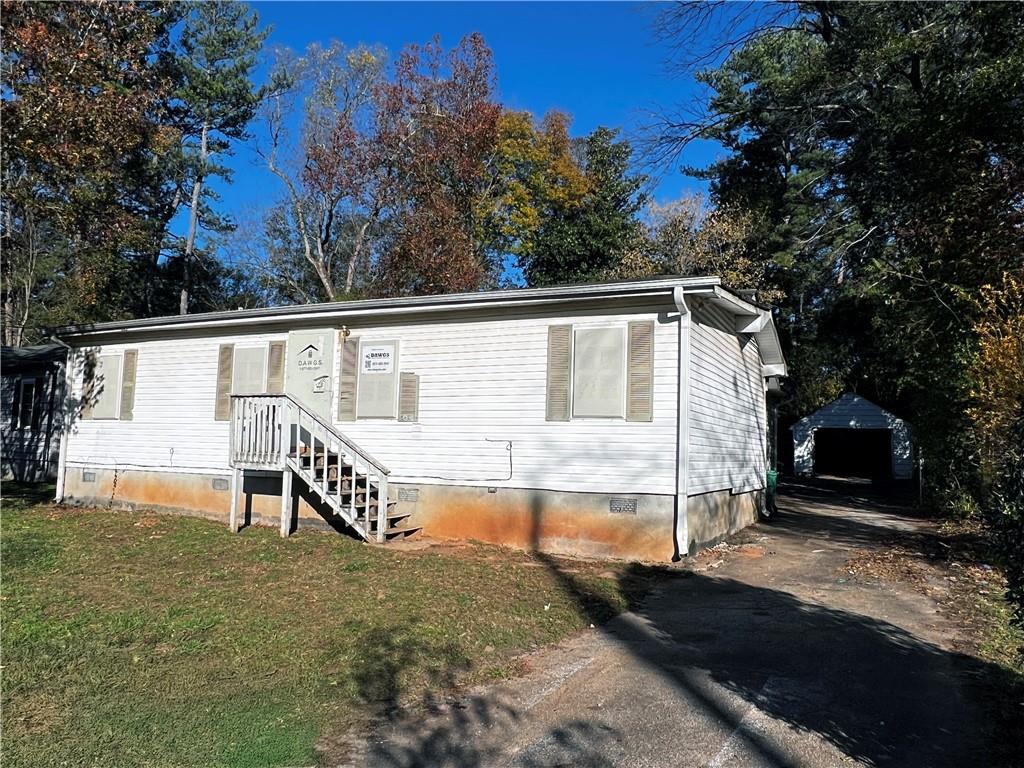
pixel 391 518
pixel 402 533
pixel 332 474
pixel 303 458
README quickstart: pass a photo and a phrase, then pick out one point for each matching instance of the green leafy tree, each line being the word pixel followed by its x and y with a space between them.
pixel 578 240
pixel 533 170
pixel 83 132
pixel 880 146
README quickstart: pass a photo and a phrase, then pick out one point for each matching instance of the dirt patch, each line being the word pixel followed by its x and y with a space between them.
pixel 35 713
pixel 895 564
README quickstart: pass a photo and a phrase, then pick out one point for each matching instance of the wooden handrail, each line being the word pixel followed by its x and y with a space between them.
pixel 342 439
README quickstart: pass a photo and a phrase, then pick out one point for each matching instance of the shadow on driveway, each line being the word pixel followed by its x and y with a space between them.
pixel 749 675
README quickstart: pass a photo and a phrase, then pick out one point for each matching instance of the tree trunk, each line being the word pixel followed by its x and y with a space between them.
pixel 193 224
pixel 357 252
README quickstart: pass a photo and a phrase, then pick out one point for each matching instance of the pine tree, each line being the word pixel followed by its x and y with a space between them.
pixel 215 100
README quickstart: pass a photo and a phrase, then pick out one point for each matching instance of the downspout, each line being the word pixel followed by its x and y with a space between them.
pixel 682 531
pixel 65 420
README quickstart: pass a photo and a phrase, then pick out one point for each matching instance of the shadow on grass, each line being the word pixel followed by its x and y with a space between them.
pixel 27 494
pixel 874 691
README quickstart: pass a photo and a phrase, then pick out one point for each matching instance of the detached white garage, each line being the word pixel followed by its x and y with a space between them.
pixel 853 437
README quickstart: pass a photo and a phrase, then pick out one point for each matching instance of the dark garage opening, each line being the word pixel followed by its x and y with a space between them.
pixel 853 453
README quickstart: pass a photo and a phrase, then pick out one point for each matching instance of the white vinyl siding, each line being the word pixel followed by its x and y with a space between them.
pixel 30 418
pixel 107 387
pixel 599 372
pixel 728 427
pixel 482 388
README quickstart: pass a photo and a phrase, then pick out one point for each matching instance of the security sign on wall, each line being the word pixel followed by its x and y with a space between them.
pixel 310 365
pixel 378 358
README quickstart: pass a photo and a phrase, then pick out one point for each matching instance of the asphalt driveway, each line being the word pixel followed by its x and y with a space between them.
pixel 761 653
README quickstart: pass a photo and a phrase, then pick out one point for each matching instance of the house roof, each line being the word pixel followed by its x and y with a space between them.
pixel 19 358
pixel 850 409
pixel 708 288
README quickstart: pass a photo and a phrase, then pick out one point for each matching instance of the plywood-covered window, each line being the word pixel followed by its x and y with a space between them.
pixel 106 391
pixel 599 372
pixel 377 389
pixel 249 375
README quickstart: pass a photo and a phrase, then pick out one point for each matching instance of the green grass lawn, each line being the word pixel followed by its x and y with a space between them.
pixel 157 640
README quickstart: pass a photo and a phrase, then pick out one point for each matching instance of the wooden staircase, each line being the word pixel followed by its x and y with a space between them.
pixel 277 432
pixel 347 490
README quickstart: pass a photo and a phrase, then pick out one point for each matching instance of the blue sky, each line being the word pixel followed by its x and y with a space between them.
pixel 597 61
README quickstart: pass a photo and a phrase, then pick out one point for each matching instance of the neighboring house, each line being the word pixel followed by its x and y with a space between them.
pixel 853 437
pixel 623 419
pixel 30 411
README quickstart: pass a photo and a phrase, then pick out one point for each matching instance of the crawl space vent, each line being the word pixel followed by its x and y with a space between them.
pixel 622 506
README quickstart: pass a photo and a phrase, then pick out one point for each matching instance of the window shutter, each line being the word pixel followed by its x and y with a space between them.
pixel 88 384
pixel 559 357
pixel 225 364
pixel 347 379
pixel 128 368
pixel 408 397
pixel 640 397
pixel 275 368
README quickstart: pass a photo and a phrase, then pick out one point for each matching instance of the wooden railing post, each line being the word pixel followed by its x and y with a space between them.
pixel 382 504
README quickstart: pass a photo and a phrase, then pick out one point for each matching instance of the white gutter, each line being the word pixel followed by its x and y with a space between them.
pixel 682 528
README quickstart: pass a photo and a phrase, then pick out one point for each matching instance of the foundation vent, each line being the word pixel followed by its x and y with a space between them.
pixel 220 484
pixel 88 477
pixel 622 506
pixel 408 494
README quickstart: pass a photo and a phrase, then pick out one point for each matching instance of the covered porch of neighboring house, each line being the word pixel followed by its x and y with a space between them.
pixel 277 433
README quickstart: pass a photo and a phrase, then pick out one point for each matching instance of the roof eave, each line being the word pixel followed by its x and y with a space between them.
pixel 383 307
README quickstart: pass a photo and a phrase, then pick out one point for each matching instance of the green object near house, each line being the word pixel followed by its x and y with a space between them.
pixel 771 488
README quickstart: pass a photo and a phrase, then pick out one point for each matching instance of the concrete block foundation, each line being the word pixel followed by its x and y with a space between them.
pixel 623 526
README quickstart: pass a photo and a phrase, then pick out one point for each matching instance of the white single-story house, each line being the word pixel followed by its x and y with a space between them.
pixel 853 437
pixel 624 419
pixel 31 403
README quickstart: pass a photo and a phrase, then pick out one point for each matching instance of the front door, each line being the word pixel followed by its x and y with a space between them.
pixel 310 369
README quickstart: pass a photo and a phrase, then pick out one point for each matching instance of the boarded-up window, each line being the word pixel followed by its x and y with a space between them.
pixel 106 389
pixel 250 371
pixel 378 378
pixel 598 381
